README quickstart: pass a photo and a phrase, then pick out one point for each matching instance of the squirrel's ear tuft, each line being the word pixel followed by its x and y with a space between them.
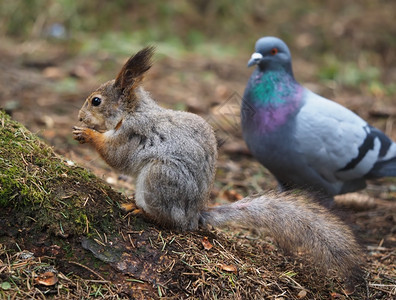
pixel 134 69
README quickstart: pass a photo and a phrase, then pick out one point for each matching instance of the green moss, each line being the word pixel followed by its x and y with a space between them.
pixel 42 186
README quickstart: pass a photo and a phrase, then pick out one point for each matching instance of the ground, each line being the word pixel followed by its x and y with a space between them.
pixel 43 85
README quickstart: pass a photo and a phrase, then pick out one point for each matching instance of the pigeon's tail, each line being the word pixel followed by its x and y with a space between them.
pixel 386 168
pixel 295 224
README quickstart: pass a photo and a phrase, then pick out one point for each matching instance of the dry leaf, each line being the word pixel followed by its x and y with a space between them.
pixel 137 211
pixel 207 245
pixel 228 268
pixel 47 278
pixel 302 294
pixel 335 295
pixel 127 207
pixel 349 289
pixel 232 195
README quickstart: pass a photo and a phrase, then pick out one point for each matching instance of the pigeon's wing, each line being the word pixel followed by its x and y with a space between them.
pixel 336 142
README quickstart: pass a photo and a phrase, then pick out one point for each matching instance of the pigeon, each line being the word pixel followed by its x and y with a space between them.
pixel 307 141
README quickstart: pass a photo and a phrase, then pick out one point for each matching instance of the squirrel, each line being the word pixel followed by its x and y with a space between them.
pixel 173 154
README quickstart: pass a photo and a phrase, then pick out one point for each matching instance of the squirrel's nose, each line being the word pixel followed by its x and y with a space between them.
pixel 81 119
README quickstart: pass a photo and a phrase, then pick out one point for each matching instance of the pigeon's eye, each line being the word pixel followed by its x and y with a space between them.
pixel 274 51
pixel 96 101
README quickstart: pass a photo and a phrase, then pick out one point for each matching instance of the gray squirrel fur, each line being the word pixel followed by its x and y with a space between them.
pixel 173 156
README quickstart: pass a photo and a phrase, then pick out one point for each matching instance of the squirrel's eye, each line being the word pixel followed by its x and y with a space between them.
pixel 274 51
pixel 96 101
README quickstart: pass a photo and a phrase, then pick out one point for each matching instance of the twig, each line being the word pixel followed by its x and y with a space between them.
pixel 89 269
pixel 381 286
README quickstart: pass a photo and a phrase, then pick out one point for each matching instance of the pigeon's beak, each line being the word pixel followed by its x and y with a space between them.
pixel 255 59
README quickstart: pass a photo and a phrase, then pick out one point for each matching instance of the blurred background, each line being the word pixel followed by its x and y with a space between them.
pixel 54 53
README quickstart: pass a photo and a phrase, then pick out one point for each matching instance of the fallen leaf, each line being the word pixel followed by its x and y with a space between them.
pixel 335 295
pixel 207 245
pixel 5 285
pixel 232 195
pixel 349 289
pixel 47 279
pixel 127 207
pixel 137 211
pixel 228 268
pixel 302 294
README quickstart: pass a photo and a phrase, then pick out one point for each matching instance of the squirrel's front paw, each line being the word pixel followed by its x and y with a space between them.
pixel 82 135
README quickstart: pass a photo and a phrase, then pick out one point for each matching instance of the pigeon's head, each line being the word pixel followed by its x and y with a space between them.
pixel 271 53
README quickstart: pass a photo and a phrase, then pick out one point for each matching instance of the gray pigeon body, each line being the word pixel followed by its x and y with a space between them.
pixel 305 140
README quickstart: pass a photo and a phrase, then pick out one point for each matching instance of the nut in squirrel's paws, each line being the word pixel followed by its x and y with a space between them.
pixel 81 134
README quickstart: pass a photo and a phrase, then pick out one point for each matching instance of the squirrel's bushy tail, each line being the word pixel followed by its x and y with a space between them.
pixel 295 224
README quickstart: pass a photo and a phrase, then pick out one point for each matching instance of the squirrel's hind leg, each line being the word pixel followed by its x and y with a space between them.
pixel 169 197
